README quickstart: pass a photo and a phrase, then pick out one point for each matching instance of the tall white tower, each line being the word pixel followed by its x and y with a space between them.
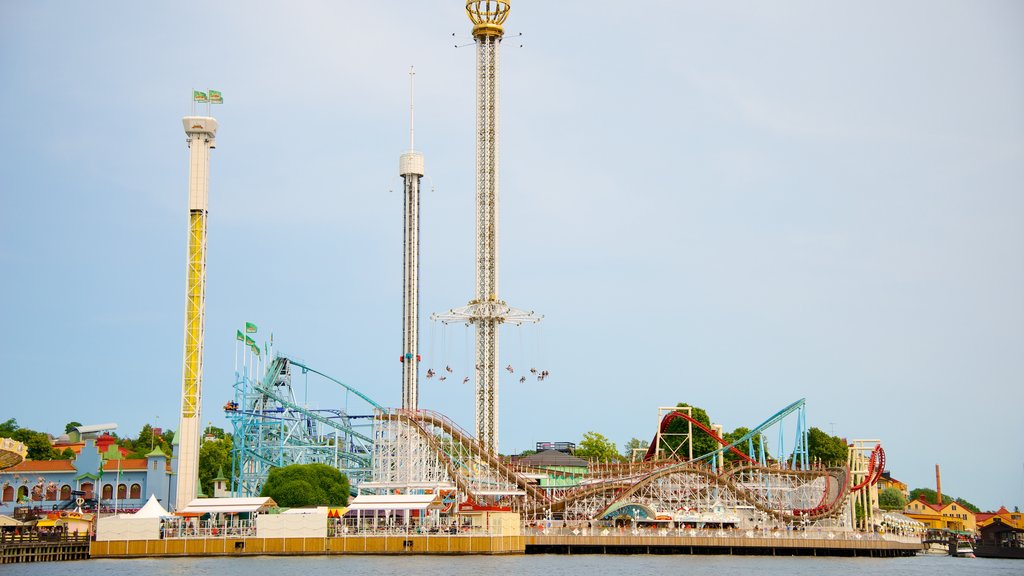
pixel 201 132
pixel 410 168
pixel 487 311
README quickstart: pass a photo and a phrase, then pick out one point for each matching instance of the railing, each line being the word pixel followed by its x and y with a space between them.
pixel 183 529
pixel 349 527
pixel 32 537
pixel 584 530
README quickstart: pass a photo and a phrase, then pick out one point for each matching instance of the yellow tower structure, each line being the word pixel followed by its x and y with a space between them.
pixel 201 132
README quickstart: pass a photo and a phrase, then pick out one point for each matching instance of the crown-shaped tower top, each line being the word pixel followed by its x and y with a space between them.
pixel 487 16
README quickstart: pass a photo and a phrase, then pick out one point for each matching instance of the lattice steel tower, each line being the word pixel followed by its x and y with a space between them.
pixel 201 132
pixel 487 311
pixel 410 168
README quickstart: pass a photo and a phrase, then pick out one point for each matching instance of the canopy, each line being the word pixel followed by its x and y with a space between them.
pixel 152 509
pixel 7 521
pixel 201 506
pixel 394 502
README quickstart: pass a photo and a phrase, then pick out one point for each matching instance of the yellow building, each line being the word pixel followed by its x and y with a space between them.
pixel 887 481
pixel 1015 519
pixel 952 516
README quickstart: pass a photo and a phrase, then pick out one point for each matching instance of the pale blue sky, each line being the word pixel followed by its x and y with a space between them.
pixel 730 204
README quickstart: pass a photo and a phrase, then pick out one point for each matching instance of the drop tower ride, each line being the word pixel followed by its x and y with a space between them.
pixel 487 311
pixel 201 132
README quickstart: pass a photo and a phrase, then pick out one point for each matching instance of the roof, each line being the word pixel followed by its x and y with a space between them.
pixel 7 521
pixel 394 502
pixel 43 466
pixel 552 458
pixel 93 428
pixel 227 505
pixel 152 509
pixel 156 453
pixel 124 465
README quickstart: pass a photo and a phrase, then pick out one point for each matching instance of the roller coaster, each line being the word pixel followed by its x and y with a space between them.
pixel 272 428
pixel 396 450
pixel 421 450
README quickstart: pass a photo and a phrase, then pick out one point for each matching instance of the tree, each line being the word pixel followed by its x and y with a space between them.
pixel 734 436
pixel 214 458
pixel 634 444
pixel 306 485
pixel 932 497
pixel 214 431
pixel 827 449
pixel 71 426
pixel 891 499
pixel 595 446
pixel 67 454
pixel 702 442
pixel 968 505
pixel 8 428
pixel 37 443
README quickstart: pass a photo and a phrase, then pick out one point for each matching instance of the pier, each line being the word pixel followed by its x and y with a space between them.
pixel 33 548
pixel 442 544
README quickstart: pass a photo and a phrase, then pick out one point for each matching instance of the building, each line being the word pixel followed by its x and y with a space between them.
pixel 951 516
pixel 1012 519
pixel 56 484
pixel 887 481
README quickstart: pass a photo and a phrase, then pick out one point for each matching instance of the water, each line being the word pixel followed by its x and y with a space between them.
pixel 525 566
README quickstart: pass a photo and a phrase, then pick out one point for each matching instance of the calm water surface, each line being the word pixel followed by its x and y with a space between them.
pixel 524 566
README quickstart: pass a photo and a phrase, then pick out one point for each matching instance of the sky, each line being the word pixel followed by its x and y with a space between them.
pixel 730 204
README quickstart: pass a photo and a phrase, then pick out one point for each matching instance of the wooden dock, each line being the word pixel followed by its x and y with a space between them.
pixel 375 544
pixel 32 548
pixel 532 544
pixel 727 545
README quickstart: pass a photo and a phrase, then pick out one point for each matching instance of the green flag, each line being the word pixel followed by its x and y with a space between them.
pixel 255 349
pixel 250 328
pixel 199 96
pixel 239 336
pixel 249 342
pixel 215 97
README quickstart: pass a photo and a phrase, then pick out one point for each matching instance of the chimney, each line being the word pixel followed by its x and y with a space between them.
pixel 938 485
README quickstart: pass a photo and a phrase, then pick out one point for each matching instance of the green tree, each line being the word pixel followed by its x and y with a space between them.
pixel 306 485
pixel 67 454
pixel 37 443
pixel 891 499
pixel 71 426
pixel 214 458
pixel 735 435
pixel 931 497
pixel 635 444
pixel 595 446
pixel 827 449
pixel 702 442
pixel 214 431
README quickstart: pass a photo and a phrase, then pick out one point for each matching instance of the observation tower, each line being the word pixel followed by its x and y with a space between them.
pixel 201 132
pixel 410 168
pixel 487 311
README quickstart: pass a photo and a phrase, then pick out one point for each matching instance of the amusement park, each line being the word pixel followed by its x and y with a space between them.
pixel 416 478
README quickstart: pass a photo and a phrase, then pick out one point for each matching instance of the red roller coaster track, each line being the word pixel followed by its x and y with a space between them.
pixel 672 416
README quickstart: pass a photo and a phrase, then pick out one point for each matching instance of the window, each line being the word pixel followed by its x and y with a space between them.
pixel 87 488
pixel 51 492
pixel 23 493
pixel 136 492
pixel 108 491
pixel 65 492
pixel 9 494
pixel 122 491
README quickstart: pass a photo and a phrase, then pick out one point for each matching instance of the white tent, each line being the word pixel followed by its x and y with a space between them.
pixel 152 509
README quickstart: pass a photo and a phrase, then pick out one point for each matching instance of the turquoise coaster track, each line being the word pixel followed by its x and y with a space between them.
pixel 272 428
